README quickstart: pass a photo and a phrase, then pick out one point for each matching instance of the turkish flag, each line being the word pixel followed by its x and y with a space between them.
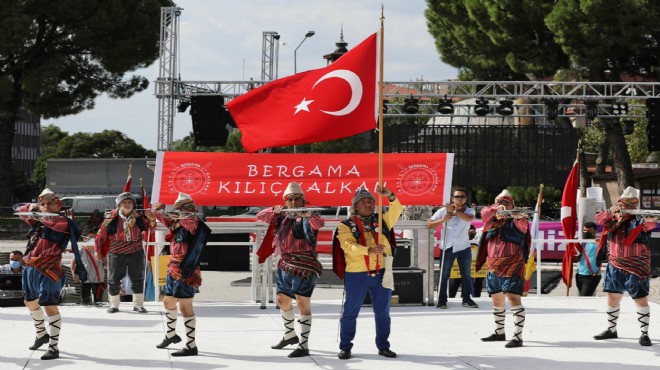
pixel 568 220
pixel 318 105
pixel 127 186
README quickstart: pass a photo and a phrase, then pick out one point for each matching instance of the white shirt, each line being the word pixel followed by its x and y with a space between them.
pixel 456 229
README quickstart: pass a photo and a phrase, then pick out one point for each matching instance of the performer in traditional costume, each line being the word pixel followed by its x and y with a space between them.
pixel 294 241
pixel 504 249
pixel 121 238
pixel 189 236
pixel 629 257
pixel 44 277
pixel 362 267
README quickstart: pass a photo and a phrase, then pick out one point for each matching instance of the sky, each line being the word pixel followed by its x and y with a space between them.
pixel 221 40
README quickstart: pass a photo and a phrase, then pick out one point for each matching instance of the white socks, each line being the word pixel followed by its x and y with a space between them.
pixel 289 317
pixel 138 300
pixel 170 315
pixel 55 324
pixel 499 314
pixel 38 319
pixel 612 317
pixel 114 301
pixel 644 317
pixel 518 321
pixel 305 322
pixel 190 323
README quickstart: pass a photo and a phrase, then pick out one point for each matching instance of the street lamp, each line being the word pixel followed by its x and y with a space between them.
pixel 295 51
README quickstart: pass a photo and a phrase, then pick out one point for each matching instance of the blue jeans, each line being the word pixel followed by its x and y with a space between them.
pixel 464 258
pixel 356 285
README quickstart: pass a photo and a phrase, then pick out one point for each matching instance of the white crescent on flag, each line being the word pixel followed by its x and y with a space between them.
pixel 356 90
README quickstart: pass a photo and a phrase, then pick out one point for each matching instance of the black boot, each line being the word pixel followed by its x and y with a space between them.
pixel 186 352
pixel 607 334
pixel 40 342
pixel 51 355
pixel 285 342
pixel 494 338
pixel 167 341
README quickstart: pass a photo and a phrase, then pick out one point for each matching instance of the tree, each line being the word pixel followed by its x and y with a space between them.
pixel 56 57
pixel 506 39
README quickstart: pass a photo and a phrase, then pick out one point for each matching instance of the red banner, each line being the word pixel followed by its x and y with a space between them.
pixel 240 179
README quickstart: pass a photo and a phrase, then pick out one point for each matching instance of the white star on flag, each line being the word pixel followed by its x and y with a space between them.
pixel 304 105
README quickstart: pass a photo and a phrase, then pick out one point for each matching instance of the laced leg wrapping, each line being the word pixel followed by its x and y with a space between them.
pixel 518 321
pixel 39 322
pixel 55 324
pixel 612 317
pixel 499 314
pixel 305 322
pixel 644 317
pixel 170 315
pixel 190 323
pixel 289 319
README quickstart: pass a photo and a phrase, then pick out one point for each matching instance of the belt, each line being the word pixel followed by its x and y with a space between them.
pixel 374 272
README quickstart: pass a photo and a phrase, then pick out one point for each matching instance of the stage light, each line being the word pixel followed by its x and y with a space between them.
pixel 505 107
pixel 591 111
pixel 620 108
pixel 481 107
pixel 445 106
pixel 551 109
pixel 182 106
pixel 411 105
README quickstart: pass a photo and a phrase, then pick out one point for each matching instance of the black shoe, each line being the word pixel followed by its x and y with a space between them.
pixel 387 353
pixel 167 341
pixel 140 309
pixel 112 310
pixel 645 341
pixel 470 304
pixel 285 342
pixel 299 352
pixel 514 343
pixel 185 352
pixel 344 354
pixel 494 338
pixel 607 334
pixel 40 342
pixel 51 355
pixel 441 305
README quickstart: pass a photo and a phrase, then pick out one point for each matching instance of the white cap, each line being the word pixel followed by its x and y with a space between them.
pixel 504 193
pixel 47 194
pixel 293 188
pixel 183 197
pixel 630 192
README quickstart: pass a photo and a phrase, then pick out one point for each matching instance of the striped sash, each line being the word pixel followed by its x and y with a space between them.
pixel 639 266
pixel 174 269
pixel 121 247
pixel 512 266
pixel 50 266
pixel 301 264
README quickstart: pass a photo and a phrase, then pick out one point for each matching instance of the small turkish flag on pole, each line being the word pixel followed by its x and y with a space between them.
pixel 318 105
pixel 127 186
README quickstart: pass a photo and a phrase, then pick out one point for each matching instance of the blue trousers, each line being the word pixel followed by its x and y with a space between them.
pixel 356 285
pixel 464 258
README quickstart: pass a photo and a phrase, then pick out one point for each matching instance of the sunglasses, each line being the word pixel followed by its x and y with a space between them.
pixel 459 196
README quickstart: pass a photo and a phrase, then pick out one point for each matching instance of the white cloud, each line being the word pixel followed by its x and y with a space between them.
pixel 220 40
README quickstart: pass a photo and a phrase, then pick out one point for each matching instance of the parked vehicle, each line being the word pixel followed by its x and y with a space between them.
pixel 86 204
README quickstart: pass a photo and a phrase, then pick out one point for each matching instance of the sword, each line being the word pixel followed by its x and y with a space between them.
pixel 37 214
pixel 510 213
pixel 642 212
pixel 303 209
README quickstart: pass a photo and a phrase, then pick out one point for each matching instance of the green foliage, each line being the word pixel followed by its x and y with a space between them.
pixel 106 144
pixel 58 56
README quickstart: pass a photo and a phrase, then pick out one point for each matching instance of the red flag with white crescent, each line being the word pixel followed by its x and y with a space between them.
pixel 568 221
pixel 318 105
pixel 127 186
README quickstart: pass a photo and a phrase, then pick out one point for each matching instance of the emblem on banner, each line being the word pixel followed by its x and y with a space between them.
pixel 190 178
pixel 417 179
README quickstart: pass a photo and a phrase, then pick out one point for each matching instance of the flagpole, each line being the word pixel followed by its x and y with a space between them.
pixel 380 119
pixel 537 251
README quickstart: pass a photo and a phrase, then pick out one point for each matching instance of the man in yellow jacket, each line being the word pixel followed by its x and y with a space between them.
pixel 365 266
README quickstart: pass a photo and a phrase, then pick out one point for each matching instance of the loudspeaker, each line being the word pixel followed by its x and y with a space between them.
pixel 402 257
pixel 209 120
pixel 226 257
pixel 408 285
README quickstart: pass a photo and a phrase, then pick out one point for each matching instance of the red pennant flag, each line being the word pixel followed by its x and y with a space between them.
pixel 127 187
pixel 318 105
pixel 568 220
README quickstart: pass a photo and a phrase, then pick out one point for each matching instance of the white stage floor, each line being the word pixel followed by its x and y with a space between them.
pixel 238 335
